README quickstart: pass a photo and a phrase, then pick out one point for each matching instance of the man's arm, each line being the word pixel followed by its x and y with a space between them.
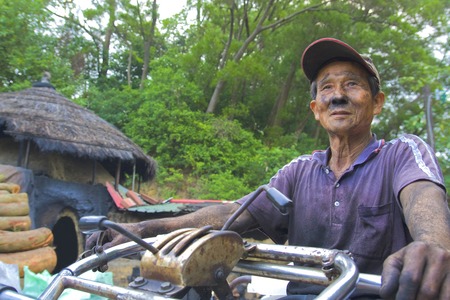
pixel 422 269
pixel 214 215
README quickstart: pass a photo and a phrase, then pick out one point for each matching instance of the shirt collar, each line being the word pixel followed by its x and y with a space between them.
pixel 372 149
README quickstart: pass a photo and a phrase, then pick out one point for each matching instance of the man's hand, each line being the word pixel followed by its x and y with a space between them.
pixel 111 237
pixel 214 215
pixel 417 271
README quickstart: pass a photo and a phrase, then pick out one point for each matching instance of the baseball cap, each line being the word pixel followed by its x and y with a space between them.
pixel 325 50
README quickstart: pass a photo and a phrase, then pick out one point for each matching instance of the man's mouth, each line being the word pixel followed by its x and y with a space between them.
pixel 340 113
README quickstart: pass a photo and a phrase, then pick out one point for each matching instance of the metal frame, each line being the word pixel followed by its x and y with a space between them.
pixel 335 269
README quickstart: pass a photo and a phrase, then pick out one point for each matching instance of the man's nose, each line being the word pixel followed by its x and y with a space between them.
pixel 339 100
pixel 339 97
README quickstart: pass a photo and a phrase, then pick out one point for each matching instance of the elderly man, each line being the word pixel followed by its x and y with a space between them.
pixel 383 201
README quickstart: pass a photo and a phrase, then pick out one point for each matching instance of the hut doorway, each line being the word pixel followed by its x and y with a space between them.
pixel 66 239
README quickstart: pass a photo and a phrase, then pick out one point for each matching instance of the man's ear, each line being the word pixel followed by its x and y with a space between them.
pixel 312 105
pixel 379 103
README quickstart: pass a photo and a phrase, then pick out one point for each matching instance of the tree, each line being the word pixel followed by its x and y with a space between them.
pixel 237 60
pixel 28 47
pixel 264 16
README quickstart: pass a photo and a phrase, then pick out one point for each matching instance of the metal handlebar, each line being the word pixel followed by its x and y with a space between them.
pixel 338 272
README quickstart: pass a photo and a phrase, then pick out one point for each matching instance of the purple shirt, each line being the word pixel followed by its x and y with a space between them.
pixel 359 212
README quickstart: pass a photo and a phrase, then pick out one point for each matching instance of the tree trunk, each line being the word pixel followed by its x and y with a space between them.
pixel 302 124
pixel 220 85
pixel 215 97
pixel 258 29
pixel 429 115
pixel 107 42
pixel 130 57
pixel 148 41
pixel 279 104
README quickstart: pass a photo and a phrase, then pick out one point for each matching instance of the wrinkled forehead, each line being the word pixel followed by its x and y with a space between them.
pixel 342 68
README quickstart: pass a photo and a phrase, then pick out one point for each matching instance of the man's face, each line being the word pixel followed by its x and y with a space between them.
pixel 344 104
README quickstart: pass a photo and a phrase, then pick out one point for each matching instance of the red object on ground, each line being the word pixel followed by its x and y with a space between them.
pixel 187 201
pixel 118 200
pixel 135 197
pixel 149 199
pixel 128 202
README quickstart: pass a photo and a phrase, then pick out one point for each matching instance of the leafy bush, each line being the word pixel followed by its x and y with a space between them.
pixel 203 156
pixel 199 155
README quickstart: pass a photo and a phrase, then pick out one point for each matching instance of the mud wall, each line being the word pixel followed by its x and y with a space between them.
pixel 59 205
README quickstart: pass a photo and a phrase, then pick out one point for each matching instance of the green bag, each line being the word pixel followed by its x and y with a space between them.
pixel 34 284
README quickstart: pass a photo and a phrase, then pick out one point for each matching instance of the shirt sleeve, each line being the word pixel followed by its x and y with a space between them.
pixel 415 160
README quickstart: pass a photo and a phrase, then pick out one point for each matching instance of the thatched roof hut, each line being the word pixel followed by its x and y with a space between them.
pixel 55 124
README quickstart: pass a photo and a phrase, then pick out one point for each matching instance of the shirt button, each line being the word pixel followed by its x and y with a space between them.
pixel 327 171
pixel 338 185
pixel 336 203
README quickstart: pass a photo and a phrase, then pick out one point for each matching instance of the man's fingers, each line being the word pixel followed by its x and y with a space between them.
pixel 414 263
pixel 418 271
pixel 434 275
pixel 445 288
pixel 91 241
pixel 390 276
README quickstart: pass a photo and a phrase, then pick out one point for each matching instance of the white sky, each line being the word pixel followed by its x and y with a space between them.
pixel 168 8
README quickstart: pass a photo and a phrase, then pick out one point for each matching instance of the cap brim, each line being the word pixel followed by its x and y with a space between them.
pixel 318 53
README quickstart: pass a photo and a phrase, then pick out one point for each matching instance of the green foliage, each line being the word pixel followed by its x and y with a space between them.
pixel 224 155
pixel 221 186
pixel 28 48
pixel 200 155
pixel 113 105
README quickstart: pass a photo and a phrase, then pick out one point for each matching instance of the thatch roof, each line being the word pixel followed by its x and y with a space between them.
pixel 56 124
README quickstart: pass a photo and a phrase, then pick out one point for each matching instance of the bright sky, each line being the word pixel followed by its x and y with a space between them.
pixel 168 8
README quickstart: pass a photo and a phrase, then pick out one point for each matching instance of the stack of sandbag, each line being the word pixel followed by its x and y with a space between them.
pixel 19 244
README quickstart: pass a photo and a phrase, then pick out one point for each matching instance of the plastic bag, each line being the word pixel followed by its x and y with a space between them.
pixel 9 275
pixel 34 284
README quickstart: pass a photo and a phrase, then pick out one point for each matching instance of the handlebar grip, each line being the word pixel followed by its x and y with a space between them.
pixel 91 224
pixel 279 200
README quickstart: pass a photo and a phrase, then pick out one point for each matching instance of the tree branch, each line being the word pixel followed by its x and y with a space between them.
pixel 289 18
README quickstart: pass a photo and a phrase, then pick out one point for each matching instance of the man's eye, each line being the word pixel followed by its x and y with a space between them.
pixel 352 83
pixel 326 87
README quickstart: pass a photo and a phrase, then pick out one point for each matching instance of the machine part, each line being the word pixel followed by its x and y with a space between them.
pixel 163 288
pixel 198 257
pixel 200 260
pixel 278 200
pixel 341 276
